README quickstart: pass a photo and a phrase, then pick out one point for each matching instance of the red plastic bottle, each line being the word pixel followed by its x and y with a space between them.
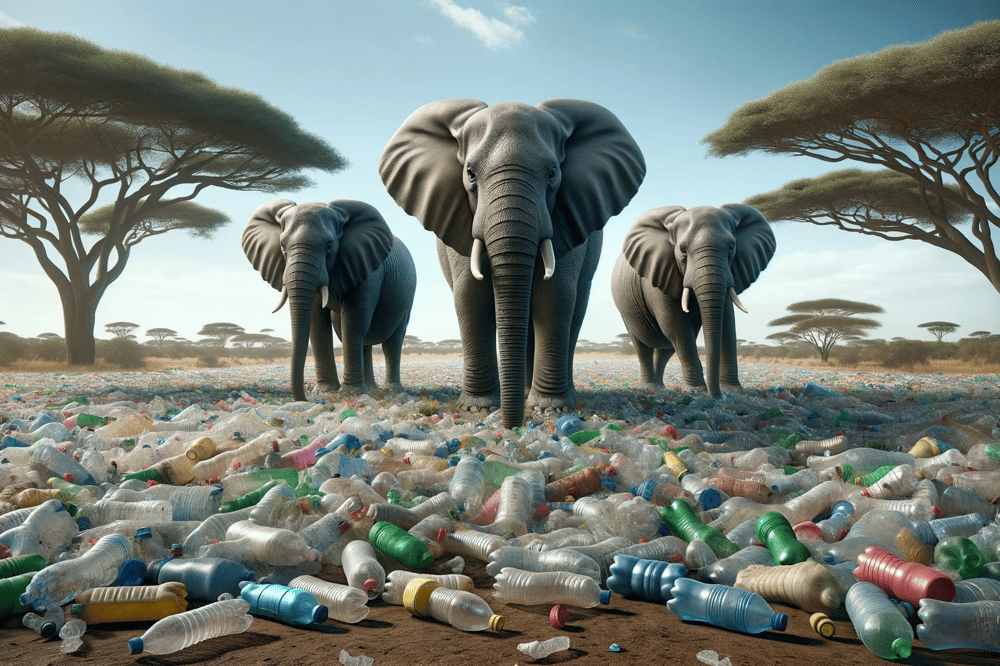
pixel 576 485
pixel 906 581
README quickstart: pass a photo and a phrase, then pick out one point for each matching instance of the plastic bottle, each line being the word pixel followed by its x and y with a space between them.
pixel 272 545
pixel 808 585
pixel 399 545
pixel 466 486
pixel 11 589
pixel 471 544
pixel 723 606
pixel 62 465
pixel 343 602
pixel 21 564
pixel 912 548
pixel 58 583
pixel 882 628
pixel 681 520
pixel 900 481
pixel 644 579
pixel 835 527
pixel 362 569
pixel 732 483
pixel 463 610
pixel 960 555
pixel 775 532
pixel 106 511
pixel 283 603
pixel 237 485
pixel 562 559
pixel 398 580
pixel 578 484
pixel 142 603
pixel 70 635
pixel 954 625
pixel 977 589
pixel 177 632
pixel 195 502
pixel 516 586
pixel 213 529
pixel 541 649
pixel 47 625
pixel 984 484
pixel 906 581
pixel 204 578
pixel 725 570
pixel 514 507
pixel 46 530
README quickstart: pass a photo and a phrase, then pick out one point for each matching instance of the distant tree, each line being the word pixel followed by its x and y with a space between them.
pixel 783 337
pixel 248 340
pixel 220 332
pixel 824 322
pixel 412 344
pixel 625 343
pixel 928 111
pixel 121 329
pixel 135 142
pixel 160 334
pixel 979 334
pixel 939 328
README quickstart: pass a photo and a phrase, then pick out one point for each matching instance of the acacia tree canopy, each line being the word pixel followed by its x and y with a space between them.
pixel 137 141
pixel 928 111
pixel 939 328
pixel 823 322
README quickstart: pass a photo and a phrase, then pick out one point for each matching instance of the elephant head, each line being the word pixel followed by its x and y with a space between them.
pixel 310 250
pixel 510 186
pixel 714 252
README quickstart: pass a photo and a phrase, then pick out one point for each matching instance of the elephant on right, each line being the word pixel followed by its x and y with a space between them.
pixel 672 253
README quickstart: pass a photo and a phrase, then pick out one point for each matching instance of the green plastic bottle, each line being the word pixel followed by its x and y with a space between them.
pixel 11 590
pixel 775 532
pixel 960 554
pixel 584 436
pixel 875 476
pixel 250 499
pixel 400 545
pixel 148 474
pixel 681 520
pixel 22 564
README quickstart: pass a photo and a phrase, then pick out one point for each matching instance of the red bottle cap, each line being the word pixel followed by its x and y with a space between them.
pixel 68 477
pixel 557 616
pixel 370 584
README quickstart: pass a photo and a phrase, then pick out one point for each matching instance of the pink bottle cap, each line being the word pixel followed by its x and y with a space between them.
pixel 68 477
pixel 274 445
pixel 442 533
pixel 612 470
pixel 557 616
pixel 370 585
pixel 150 482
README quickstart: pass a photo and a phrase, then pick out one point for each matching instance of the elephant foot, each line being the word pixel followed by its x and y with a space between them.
pixel 695 388
pixel 355 389
pixel 326 387
pixel 731 388
pixel 541 402
pixel 473 402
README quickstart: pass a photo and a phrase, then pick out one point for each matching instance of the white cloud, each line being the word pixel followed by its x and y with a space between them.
pixel 423 39
pixel 8 21
pixel 492 32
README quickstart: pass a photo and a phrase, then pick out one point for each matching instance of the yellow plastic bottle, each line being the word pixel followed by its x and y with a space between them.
pixel 142 603
pixel 33 497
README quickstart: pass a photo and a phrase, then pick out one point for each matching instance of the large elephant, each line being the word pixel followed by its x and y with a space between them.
pixel 671 252
pixel 335 263
pixel 518 196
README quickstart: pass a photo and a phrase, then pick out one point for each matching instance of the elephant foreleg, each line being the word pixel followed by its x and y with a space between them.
pixel 477 326
pixel 369 368
pixel 729 376
pixel 660 359
pixel 321 339
pixel 553 303
pixel 392 350
pixel 351 332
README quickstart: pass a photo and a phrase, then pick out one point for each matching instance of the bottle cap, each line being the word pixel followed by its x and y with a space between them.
pixel 320 614
pixel 417 595
pixel 442 534
pixel 557 616
pixel 496 622
pixel 76 610
pixel 370 584
pixel 822 625
pixel 605 597
pixel 67 477
pixel 902 648
pixel 135 645
pixel 779 621
pixel 48 629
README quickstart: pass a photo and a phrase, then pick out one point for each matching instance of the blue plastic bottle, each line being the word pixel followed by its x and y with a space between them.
pixel 724 606
pixel 644 579
pixel 204 577
pixel 285 604
pixel 947 625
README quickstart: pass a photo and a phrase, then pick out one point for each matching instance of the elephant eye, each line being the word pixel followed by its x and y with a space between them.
pixel 472 176
pixel 552 173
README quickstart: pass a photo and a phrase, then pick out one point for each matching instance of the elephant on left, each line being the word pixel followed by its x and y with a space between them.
pixel 338 264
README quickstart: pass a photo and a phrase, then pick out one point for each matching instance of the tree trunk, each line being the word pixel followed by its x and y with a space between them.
pixel 79 315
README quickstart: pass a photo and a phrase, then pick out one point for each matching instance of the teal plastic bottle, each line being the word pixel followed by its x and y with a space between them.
pixel 285 604
pixel 724 606
pixel 682 522
pixel 400 545
pixel 775 532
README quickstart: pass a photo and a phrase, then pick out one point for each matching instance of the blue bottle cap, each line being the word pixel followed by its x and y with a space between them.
pixel 320 613
pixel 605 597
pixel 135 645
pixel 779 621
pixel 249 576
pixel 132 572
pixel 144 533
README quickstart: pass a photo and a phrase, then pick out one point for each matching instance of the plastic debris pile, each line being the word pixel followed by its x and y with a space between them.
pixel 863 501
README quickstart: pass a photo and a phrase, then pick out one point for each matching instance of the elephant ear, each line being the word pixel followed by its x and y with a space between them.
pixel 601 171
pixel 261 241
pixel 364 244
pixel 649 249
pixel 755 244
pixel 421 170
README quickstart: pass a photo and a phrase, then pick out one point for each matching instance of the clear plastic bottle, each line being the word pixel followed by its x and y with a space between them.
pixel 984 484
pixel 463 610
pixel 541 649
pixel 966 525
pixel 213 529
pixel 105 511
pixel 514 509
pixel 808 585
pixel 562 559
pixel 46 531
pixel 882 628
pixel 47 625
pixel 977 589
pixel 70 635
pixel 666 548
pixel 196 502
pixel 725 570
pixel 62 465
pixel 644 579
pixel 471 544
pixel 272 545
pixel 177 632
pixel 362 568
pixel 466 486
pixel 954 501
pixel 286 604
pixel 59 583
pixel 343 602
pixel 723 606
pixel 516 586
pixel 397 581
pixel 946 625
pixel 898 482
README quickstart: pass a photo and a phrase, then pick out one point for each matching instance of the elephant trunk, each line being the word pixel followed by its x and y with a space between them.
pixel 512 245
pixel 304 274
pixel 711 287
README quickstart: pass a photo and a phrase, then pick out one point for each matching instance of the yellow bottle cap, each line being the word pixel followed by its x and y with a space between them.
pixel 417 595
pixel 822 625
pixel 496 622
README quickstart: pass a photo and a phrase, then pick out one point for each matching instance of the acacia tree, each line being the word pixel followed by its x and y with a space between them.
pixel 221 331
pixel 928 111
pixel 121 329
pixel 103 142
pixel 939 328
pixel 160 334
pixel 824 322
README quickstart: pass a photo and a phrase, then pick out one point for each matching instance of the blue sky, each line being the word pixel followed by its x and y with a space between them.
pixel 351 71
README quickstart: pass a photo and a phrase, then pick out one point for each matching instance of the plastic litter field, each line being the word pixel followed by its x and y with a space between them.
pixel 651 457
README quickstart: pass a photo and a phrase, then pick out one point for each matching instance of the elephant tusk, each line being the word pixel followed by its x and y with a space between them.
pixel 684 298
pixel 478 249
pixel 281 303
pixel 324 293
pixel 736 301
pixel 548 258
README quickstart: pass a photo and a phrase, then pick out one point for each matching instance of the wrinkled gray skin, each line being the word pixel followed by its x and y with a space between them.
pixel 346 249
pixel 707 250
pixel 514 192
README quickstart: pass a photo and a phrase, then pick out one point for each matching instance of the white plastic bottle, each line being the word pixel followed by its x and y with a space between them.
pixel 362 568
pixel 178 631
pixel 541 649
pixel 562 559
pixel 272 545
pixel 516 586
pixel 471 544
pixel 463 610
pixel 397 581
pixel 344 603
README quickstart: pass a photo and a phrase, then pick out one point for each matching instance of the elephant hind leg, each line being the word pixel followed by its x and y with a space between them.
pixel 660 359
pixel 392 350
pixel 647 372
